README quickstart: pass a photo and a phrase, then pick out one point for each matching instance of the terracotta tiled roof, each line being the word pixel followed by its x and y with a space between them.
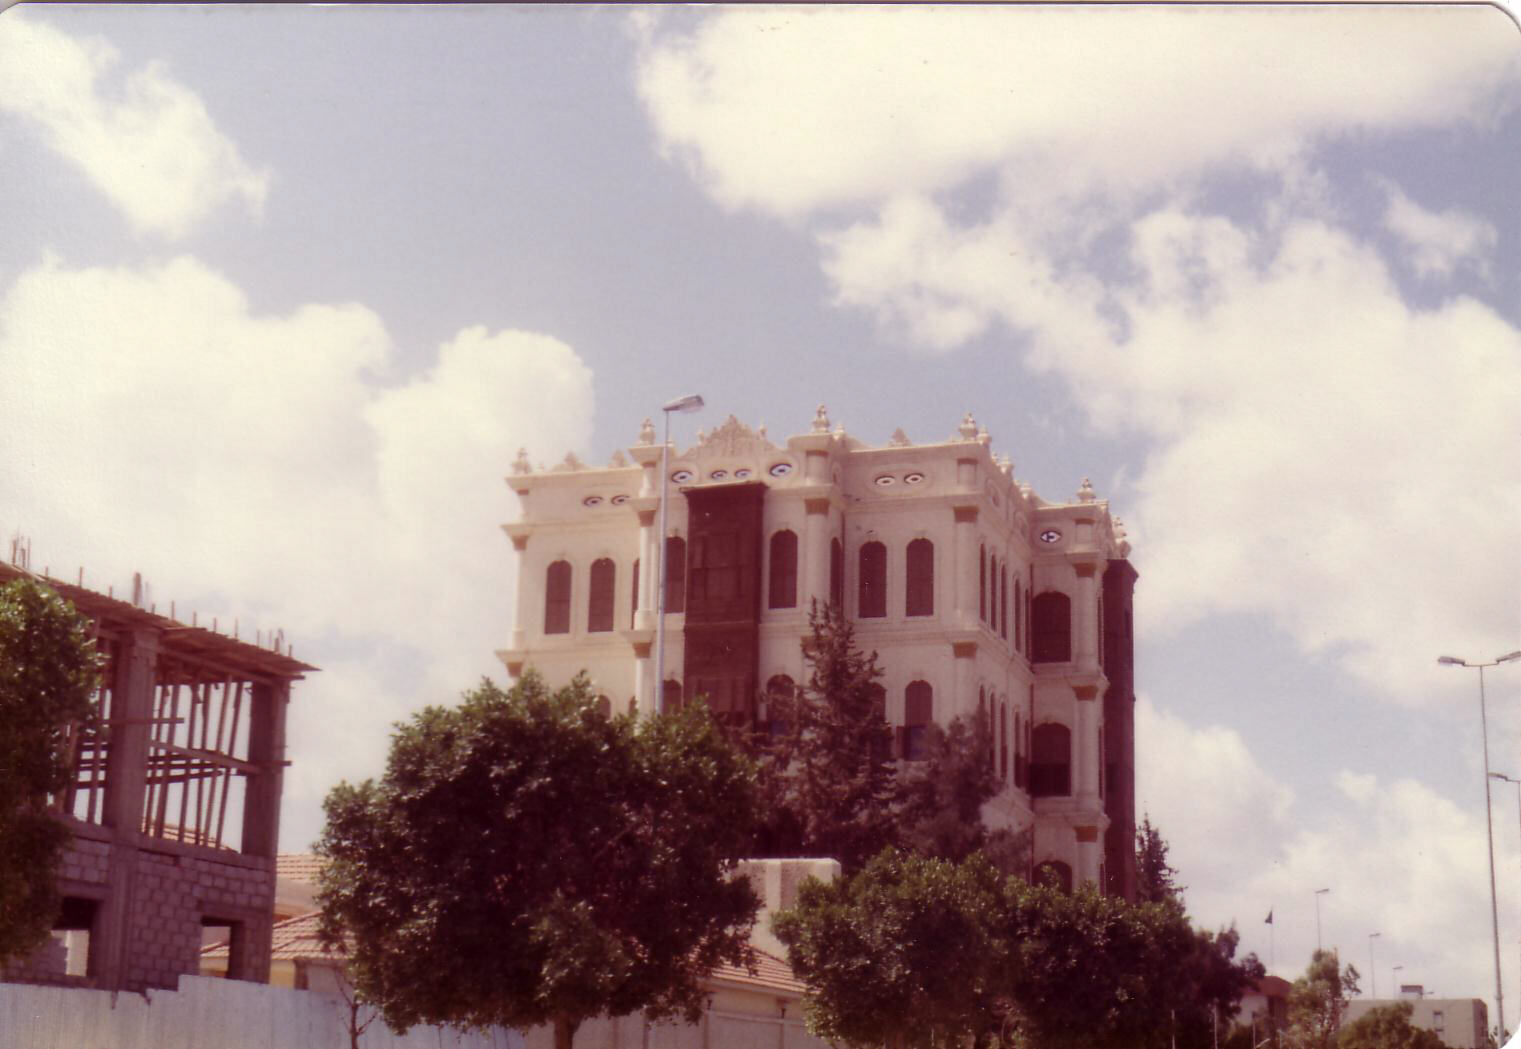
pixel 300 867
pixel 770 972
pixel 293 939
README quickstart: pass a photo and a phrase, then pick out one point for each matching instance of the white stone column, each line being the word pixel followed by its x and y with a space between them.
pixel 649 569
pixel 1085 747
pixel 1085 619
pixel 815 567
pixel 964 587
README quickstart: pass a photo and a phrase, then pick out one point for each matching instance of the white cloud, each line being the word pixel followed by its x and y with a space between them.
pixel 147 142
pixel 1400 860
pixel 1320 450
pixel 1438 242
pixel 793 110
pixel 271 472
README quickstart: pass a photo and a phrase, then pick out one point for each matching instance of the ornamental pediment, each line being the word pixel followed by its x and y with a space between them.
pixel 732 440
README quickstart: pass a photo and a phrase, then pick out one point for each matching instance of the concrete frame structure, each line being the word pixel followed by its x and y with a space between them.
pixel 175 802
pixel 980 598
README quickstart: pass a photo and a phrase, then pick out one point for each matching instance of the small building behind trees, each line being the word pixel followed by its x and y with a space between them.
pixel 174 802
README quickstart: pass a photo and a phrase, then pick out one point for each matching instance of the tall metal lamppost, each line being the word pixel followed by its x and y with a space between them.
pixel 1507 779
pixel 1489 822
pixel 690 403
pixel 1372 968
pixel 1318 894
pixel 1394 975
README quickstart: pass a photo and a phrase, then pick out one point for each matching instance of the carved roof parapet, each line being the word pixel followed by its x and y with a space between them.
pixel 899 439
pixel 968 428
pixel 731 440
pixel 647 432
pixel 570 462
pixel 821 420
pixel 521 465
pixel 618 460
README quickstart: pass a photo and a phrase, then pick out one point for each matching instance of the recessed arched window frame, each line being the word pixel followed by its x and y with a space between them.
pixel 872 597
pixel 1019 752
pixel 675 574
pixel 1019 616
pixel 1051 761
pixel 1055 874
pixel 836 573
pixel 780 691
pixel 599 602
pixel 1051 628
pixel 1003 741
pixel 919 593
pixel 782 588
pixel 1003 615
pixel 918 714
pixel 557 598
pixel 993 592
pixel 633 604
pixel 985 724
pixel 673 699
pixel 881 740
pixel 982 583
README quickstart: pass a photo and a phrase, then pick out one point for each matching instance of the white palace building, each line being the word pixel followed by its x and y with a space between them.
pixel 977 595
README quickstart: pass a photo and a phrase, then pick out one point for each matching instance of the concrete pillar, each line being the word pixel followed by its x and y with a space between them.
pixel 1085 731
pixel 1085 619
pixel 963 701
pixel 266 749
pixel 815 567
pixel 964 591
pixel 649 571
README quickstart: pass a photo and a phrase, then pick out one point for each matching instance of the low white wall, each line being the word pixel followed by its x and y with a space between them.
pixel 207 1012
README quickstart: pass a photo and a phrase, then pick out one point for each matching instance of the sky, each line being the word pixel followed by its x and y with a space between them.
pixel 284 289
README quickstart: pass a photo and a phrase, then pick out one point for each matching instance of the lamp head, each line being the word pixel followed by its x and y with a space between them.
pixel 690 403
pixel 1509 656
pixel 1451 661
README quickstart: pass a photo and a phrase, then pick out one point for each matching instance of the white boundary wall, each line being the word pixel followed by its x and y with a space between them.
pixel 206 1013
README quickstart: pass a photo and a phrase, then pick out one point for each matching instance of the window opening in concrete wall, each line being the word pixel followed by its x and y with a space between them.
pixel 1051 761
pixel 599 603
pixel 557 598
pixel 72 934
pixel 782 585
pixel 217 932
pixel 836 573
pixel 919 593
pixel 918 713
pixel 1052 628
pixel 873 590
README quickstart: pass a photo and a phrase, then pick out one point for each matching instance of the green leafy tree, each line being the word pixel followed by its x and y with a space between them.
pixel 831 783
pixel 940 799
pixel 1317 1002
pixel 1209 988
pixel 1387 1027
pixel 527 860
pixel 49 670
pixel 1155 879
pixel 906 953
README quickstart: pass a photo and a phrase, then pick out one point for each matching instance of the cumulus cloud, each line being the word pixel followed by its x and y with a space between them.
pixel 144 140
pixel 1316 442
pixel 1399 858
pixel 1438 242
pixel 793 110
pixel 279 472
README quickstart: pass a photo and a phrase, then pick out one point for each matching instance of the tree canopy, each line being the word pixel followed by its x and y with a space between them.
pixel 49 670
pixel 1317 1002
pixel 1155 878
pixel 1387 1027
pixel 527 860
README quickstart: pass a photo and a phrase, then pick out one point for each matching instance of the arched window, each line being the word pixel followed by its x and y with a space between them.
pixel 599 604
pixel 993 592
pixel 985 724
pixel 1051 628
pixel 918 713
pixel 675 574
pixel 1019 616
pixel 836 573
pixel 633 604
pixel 1003 615
pixel 557 598
pixel 1051 761
pixel 780 691
pixel 673 701
pixel 982 583
pixel 919 594
pixel 1019 752
pixel 882 738
pixel 783 582
pixel 1054 873
pixel 1003 741
pixel 873 589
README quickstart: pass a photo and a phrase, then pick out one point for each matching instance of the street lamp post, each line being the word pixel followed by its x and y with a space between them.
pixel 1372 968
pixel 690 403
pixel 1507 779
pixel 1494 906
pixel 1318 894
pixel 1394 975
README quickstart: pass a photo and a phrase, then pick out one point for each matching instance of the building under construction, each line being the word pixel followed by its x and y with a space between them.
pixel 174 803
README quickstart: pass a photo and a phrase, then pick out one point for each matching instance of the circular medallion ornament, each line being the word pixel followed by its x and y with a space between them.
pixel 780 469
pixel 913 478
pixel 742 473
pixel 681 476
pixel 885 480
pixel 717 475
pixel 592 500
pixel 1050 535
pixel 618 500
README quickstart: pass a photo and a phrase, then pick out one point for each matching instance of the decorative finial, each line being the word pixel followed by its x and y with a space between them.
pixel 839 429
pixel 647 432
pixel 899 439
pixel 1006 465
pixel 1085 493
pixel 760 431
pixel 821 420
pixel 968 428
pixel 521 465
pixel 617 459
pixel 571 463
pixel 982 435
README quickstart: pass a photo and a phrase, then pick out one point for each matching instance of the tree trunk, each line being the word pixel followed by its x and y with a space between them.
pixel 565 1032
